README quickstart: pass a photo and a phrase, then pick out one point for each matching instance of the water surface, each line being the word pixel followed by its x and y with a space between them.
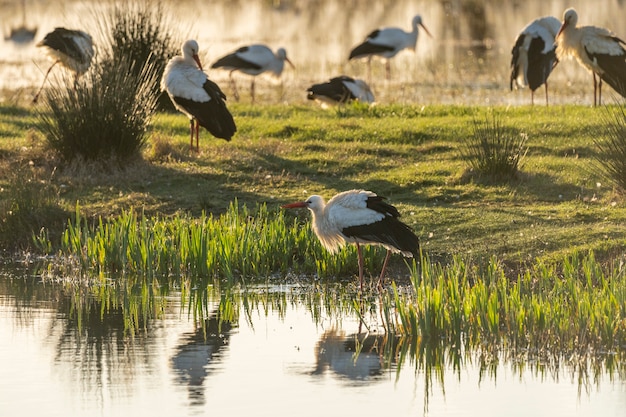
pixel 278 358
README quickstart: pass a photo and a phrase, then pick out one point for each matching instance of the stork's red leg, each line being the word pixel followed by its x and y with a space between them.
pixel 44 81
pixel 191 133
pixel 382 272
pixel 197 136
pixel 358 251
pixel 252 90
pixel 233 85
pixel 388 70
pixel 546 87
pixel 595 90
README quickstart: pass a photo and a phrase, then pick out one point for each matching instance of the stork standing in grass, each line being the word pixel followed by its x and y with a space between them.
pixel 73 49
pixel 360 217
pixel 195 95
pixel 534 55
pixel 339 90
pixel 386 43
pixel 597 49
pixel 253 60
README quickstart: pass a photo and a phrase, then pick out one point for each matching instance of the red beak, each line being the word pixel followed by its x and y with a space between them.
pixel 561 30
pixel 195 58
pixel 299 204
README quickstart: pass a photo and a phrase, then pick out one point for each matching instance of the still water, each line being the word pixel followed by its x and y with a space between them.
pixel 466 61
pixel 282 356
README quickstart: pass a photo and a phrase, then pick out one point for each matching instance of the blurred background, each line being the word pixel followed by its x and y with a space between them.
pixel 467 60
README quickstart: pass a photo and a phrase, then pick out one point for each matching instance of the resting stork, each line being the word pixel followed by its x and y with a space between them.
pixel 339 90
pixel 534 55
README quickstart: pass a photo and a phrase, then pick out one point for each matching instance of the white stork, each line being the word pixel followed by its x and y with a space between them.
pixel 534 55
pixel 597 49
pixel 71 48
pixel 360 217
pixel 338 90
pixel 195 95
pixel 386 43
pixel 253 60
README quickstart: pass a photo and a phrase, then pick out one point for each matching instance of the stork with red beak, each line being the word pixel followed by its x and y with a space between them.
pixel 253 60
pixel 360 217
pixel 597 49
pixel 386 43
pixel 195 95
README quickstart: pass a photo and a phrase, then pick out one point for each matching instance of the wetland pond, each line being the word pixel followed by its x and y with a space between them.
pixel 293 349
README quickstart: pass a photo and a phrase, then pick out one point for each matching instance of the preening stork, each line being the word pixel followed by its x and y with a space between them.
pixel 597 49
pixel 195 95
pixel 253 60
pixel 360 217
pixel 338 90
pixel 534 55
pixel 73 49
pixel 386 43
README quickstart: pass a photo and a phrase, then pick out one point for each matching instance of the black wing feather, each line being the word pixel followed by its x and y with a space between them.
pixel 367 48
pixel 213 114
pixel 235 61
pixel 389 231
pixel 515 56
pixel 62 40
pixel 614 67
pixel 540 64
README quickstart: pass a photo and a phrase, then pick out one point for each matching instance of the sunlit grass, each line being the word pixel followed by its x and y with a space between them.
pixel 572 306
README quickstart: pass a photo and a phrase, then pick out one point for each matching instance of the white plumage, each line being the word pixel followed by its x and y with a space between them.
pixel 534 55
pixel 253 60
pixel 387 42
pixel 360 217
pixel 73 49
pixel 195 95
pixel 597 49
pixel 342 89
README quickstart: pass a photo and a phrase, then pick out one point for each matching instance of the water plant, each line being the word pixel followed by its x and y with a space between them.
pixel 106 115
pixel 494 150
pixel 610 160
pixel 236 246
pixel 574 306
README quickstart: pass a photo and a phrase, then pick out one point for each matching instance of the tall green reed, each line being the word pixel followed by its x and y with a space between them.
pixel 576 306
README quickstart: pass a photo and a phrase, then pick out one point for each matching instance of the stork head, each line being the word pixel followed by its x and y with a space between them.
pixel 417 20
pixel 315 203
pixel 570 19
pixel 190 50
pixel 281 53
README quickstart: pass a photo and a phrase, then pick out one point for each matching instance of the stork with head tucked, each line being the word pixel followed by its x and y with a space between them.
pixel 195 95
pixel 597 49
pixel 253 60
pixel 339 90
pixel 386 43
pixel 534 55
pixel 360 217
pixel 73 49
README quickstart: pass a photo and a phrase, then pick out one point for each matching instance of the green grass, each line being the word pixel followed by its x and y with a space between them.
pixel 409 154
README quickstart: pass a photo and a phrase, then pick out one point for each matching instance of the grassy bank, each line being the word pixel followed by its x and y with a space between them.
pixel 409 154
